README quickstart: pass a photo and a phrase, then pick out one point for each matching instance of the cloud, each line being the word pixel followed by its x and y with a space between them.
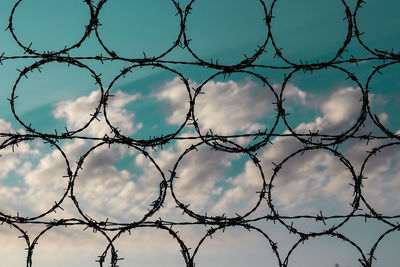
pixel 175 92
pixel 339 112
pixel 314 181
pixel 230 107
pixel 77 112
pixel 198 172
pixel 315 175
pixel 12 156
pixel 340 105
pixel 225 107
pixel 105 191
pixel 106 188
pixel 204 177
pixel 243 192
pixel 44 182
pixel 47 182
pixel 292 92
pixel 204 180
pixel 40 182
pixel 382 171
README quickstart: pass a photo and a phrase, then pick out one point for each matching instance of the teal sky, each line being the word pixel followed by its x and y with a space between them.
pixel 152 102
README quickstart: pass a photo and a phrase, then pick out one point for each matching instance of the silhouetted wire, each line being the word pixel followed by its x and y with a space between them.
pixel 312 141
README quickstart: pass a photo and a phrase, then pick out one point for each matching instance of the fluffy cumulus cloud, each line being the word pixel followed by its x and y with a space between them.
pixel 43 179
pixel 14 164
pixel 201 175
pixel 47 182
pixel 77 112
pixel 12 156
pixel 339 112
pixel 292 92
pixel 105 190
pixel 224 107
pixel 106 185
pixel 120 183
pixel 313 179
pixel 229 107
pixel 316 180
pixel 307 183
pixel 382 172
pixel 319 175
pixel 307 178
pixel 39 182
pixel 206 180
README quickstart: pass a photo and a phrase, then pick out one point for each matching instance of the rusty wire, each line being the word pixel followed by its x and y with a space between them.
pixel 310 141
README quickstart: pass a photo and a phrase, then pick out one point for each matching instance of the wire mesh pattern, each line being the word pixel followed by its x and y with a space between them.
pixel 311 141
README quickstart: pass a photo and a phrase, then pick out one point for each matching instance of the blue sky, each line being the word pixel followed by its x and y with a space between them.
pixel 118 183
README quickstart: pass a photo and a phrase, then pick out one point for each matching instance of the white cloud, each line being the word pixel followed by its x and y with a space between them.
pixel 104 185
pixel 105 191
pixel 199 172
pixel 339 112
pixel 340 106
pixel 225 107
pixel 316 175
pixel 382 171
pixel 12 156
pixel 198 182
pixel 175 92
pixel 138 248
pixel 229 107
pixel 108 191
pixel 383 117
pixel 77 112
pixel 292 92
pixel 203 179
pixel 41 182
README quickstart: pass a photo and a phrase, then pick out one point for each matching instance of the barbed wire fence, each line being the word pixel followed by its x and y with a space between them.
pixel 311 141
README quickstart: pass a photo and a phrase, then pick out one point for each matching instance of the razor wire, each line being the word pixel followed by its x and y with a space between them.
pixel 311 141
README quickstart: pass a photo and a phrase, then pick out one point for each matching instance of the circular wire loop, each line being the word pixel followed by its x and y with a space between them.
pixel 248 227
pixel 356 183
pixel 382 54
pixel 28 48
pixel 247 61
pixel 57 204
pixel 374 153
pixel 157 227
pixel 145 59
pixel 153 141
pixel 154 206
pixel 219 142
pixel 314 65
pixel 337 235
pixel 326 139
pixel 37 66
pixel 219 218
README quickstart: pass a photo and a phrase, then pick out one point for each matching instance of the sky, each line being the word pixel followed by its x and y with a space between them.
pixel 118 183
